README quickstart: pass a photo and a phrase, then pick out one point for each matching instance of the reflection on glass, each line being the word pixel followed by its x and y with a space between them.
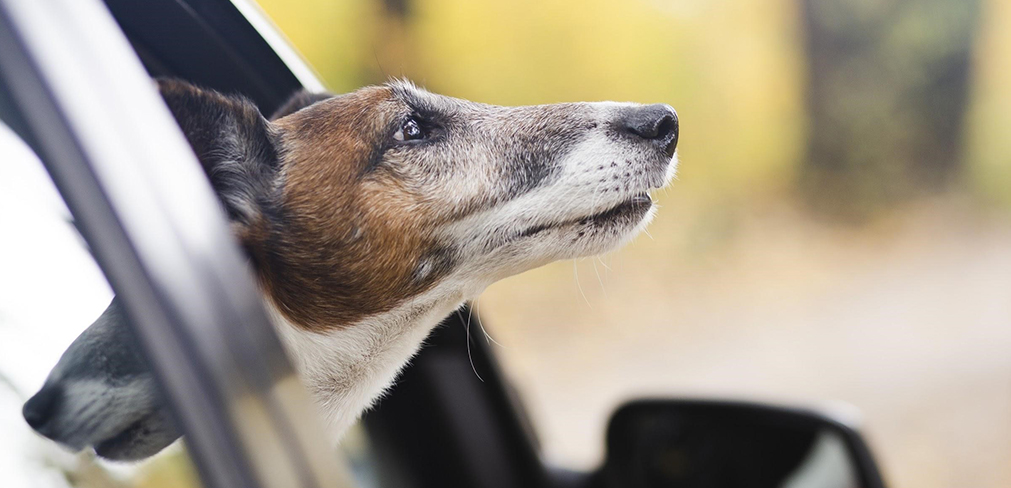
pixel 827 465
pixel 50 291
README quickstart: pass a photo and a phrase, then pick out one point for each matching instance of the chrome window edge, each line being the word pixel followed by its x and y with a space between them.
pixel 290 56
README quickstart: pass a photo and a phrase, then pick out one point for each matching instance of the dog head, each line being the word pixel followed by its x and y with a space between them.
pixel 386 191
pixel 351 205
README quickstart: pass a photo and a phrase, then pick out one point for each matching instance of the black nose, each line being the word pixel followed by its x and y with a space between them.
pixel 39 408
pixel 656 123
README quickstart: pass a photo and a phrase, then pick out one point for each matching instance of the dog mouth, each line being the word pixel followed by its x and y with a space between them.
pixel 141 439
pixel 115 446
pixel 632 209
pixel 637 206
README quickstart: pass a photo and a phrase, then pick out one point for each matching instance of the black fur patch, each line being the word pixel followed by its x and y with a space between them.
pixel 236 146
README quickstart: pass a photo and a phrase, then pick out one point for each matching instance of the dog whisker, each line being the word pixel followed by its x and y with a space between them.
pixel 487 336
pixel 603 289
pixel 575 270
pixel 466 326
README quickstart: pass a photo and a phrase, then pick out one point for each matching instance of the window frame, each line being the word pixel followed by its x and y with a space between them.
pixel 75 90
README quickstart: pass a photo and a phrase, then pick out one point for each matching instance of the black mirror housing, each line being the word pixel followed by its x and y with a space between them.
pixel 730 444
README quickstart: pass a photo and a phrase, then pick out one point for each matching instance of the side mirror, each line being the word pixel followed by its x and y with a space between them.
pixel 721 444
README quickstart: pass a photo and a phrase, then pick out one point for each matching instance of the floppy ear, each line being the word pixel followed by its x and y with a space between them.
pixel 237 147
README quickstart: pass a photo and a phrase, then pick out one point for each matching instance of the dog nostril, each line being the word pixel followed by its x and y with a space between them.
pixel 39 408
pixel 657 123
pixel 666 127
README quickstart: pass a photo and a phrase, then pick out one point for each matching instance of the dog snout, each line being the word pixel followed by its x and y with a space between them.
pixel 657 124
pixel 39 409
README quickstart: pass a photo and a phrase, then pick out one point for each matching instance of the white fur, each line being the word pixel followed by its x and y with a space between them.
pixel 347 368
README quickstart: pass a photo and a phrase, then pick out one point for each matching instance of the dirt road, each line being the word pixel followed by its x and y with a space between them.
pixel 908 319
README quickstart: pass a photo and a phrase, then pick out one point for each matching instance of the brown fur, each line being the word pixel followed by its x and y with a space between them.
pixel 352 239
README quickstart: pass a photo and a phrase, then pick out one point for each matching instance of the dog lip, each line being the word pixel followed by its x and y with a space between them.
pixel 641 199
pixel 639 203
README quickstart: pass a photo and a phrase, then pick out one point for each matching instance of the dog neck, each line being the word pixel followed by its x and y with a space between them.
pixel 347 368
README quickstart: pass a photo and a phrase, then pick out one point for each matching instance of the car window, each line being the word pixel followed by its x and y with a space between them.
pixel 199 356
pixel 50 291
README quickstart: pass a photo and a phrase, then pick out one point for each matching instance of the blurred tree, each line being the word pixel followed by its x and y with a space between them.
pixel 392 45
pixel 989 148
pixel 888 85
pixel 733 70
pixel 399 8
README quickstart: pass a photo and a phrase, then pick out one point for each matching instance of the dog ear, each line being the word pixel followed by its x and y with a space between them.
pixel 298 101
pixel 237 147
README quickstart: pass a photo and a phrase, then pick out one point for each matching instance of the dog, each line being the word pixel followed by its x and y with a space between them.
pixel 369 217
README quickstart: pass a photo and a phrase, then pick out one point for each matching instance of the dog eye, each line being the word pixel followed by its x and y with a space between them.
pixel 410 131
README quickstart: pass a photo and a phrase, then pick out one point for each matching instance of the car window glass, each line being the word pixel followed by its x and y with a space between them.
pixel 51 289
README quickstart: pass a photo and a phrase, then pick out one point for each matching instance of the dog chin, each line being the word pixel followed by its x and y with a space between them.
pixel 620 228
pixel 140 440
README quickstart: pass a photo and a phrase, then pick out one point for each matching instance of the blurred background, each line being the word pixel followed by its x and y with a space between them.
pixel 840 229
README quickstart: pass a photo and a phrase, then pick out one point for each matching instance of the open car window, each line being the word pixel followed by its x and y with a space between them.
pixel 74 89
pixel 51 290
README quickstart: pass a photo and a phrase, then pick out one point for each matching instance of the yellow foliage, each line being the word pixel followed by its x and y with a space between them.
pixel 330 34
pixel 733 70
